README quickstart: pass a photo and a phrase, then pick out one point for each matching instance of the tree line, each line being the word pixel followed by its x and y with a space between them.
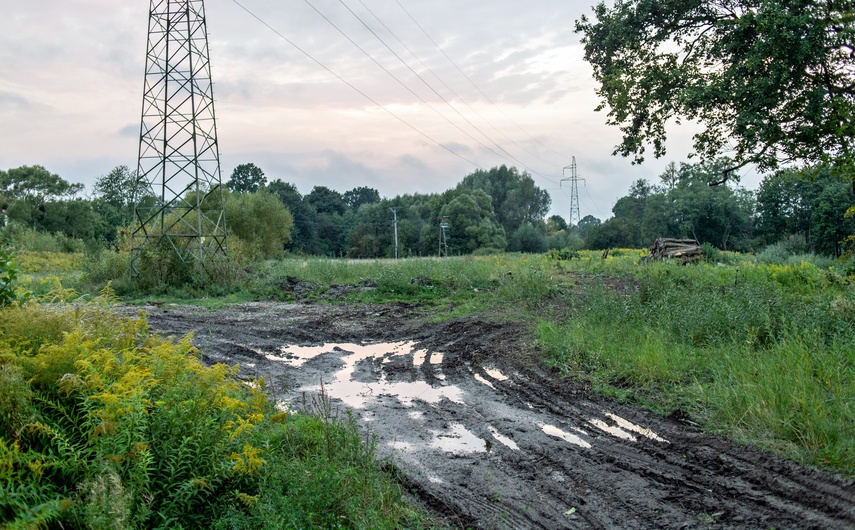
pixel 488 211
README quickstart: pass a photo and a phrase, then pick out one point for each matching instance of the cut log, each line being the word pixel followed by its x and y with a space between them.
pixel 686 250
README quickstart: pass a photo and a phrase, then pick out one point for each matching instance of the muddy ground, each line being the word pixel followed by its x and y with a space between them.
pixel 484 436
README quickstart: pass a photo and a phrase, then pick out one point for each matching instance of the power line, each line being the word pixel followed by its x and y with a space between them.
pixel 453 92
pixel 473 83
pixel 411 91
pixel 354 88
pixel 509 157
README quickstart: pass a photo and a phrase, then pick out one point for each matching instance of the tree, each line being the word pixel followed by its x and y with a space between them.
pixel 246 178
pixel 809 203
pixel 304 234
pixel 586 223
pixel 116 192
pixel 260 220
pixel 555 224
pixel 516 199
pixel 359 196
pixel 771 79
pixel 528 238
pixel 472 224
pixel 326 200
pixel 35 184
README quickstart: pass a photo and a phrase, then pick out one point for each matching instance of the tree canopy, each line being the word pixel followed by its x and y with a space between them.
pixel 770 81
pixel 246 178
pixel 35 183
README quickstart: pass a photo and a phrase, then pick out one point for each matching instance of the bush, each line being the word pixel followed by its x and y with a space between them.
pixel 37 241
pixel 260 220
pixel 104 425
pixel 774 254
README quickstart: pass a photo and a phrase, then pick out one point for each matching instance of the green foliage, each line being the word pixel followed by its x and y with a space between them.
pixel 246 178
pixel 8 274
pixel 746 71
pixel 260 220
pixel 528 238
pixel 764 353
pixel 38 241
pixel 104 425
pixel 809 203
pixel 318 473
pixel 516 199
pixel 472 223
pixel 36 184
pixel 564 254
pixel 685 207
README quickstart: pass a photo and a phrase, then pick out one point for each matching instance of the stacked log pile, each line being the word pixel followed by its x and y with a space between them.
pixel 686 250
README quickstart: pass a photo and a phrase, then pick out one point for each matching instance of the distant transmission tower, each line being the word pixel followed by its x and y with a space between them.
pixel 443 238
pixel 180 207
pixel 574 179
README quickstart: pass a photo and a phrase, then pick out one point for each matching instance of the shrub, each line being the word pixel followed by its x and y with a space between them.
pixel 104 425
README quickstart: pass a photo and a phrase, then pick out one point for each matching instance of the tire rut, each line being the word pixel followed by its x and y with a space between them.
pixel 488 439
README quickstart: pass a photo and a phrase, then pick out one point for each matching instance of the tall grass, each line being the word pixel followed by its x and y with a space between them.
pixel 766 354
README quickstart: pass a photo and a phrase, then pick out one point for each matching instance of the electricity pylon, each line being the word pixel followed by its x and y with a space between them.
pixel 443 238
pixel 574 179
pixel 180 207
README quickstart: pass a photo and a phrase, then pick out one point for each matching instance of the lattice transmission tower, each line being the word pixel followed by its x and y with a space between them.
pixel 179 207
pixel 575 215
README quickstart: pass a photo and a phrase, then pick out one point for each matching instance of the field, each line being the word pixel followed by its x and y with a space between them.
pixel 755 353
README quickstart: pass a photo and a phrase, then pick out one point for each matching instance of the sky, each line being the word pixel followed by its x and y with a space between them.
pixel 499 82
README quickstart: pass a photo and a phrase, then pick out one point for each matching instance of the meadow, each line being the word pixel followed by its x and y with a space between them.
pixel 761 351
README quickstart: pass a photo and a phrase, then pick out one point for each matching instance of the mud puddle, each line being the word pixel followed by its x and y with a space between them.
pixel 486 438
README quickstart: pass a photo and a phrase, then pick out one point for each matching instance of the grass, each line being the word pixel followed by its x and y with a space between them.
pixel 761 351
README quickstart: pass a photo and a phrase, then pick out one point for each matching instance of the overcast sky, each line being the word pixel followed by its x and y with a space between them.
pixel 71 75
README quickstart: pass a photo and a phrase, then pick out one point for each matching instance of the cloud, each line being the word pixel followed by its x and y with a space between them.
pixel 71 85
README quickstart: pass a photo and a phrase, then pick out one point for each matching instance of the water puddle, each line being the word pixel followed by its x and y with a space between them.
pixel 611 429
pixel 419 357
pixel 356 394
pixel 496 374
pixel 482 379
pixel 458 440
pixel 552 430
pixel 629 426
pixel 297 356
pixel 504 440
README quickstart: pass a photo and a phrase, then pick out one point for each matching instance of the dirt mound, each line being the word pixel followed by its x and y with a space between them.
pixel 485 436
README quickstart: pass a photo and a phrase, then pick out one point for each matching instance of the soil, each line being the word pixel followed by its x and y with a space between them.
pixel 485 436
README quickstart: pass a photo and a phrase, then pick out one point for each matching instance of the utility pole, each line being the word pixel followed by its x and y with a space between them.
pixel 574 179
pixel 179 160
pixel 395 213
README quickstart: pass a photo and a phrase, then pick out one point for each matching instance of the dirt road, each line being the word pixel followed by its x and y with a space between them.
pixel 486 437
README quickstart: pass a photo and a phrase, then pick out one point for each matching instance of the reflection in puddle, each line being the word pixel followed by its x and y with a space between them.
pixel 458 440
pixel 296 356
pixel 355 394
pixel 611 429
pixel 496 374
pixel 482 379
pixel 419 357
pixel 502 438
pixel 629 426
pixel 552 430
